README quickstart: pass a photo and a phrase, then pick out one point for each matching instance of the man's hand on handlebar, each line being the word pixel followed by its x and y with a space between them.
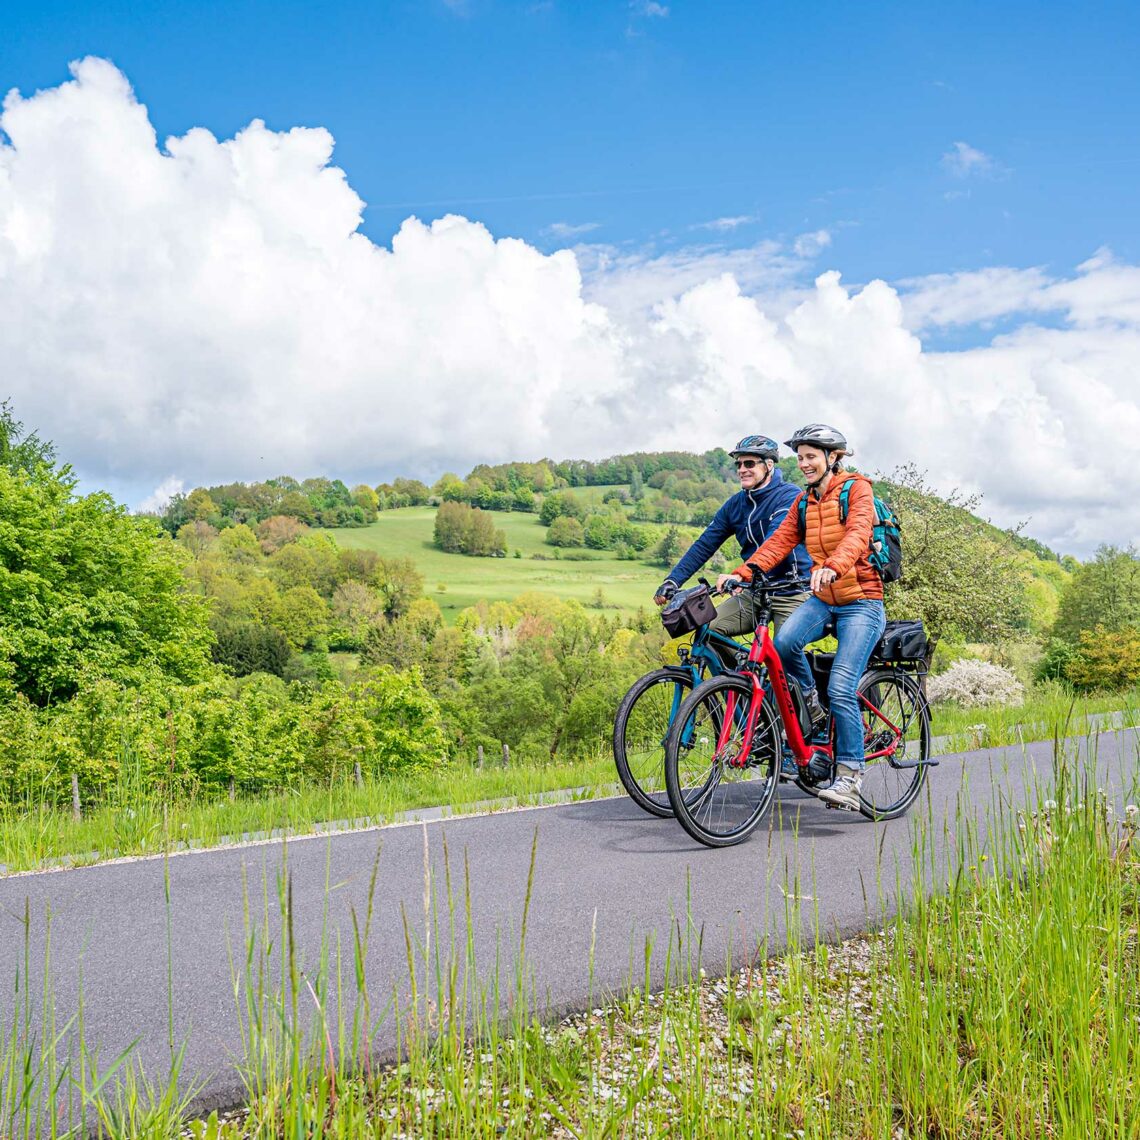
pixel 822 576
pixel 664 592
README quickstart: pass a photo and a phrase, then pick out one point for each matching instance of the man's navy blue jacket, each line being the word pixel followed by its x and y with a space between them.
pixel 752 516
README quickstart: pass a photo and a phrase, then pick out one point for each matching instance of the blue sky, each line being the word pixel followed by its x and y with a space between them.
pixel 795 117
pixel 671 224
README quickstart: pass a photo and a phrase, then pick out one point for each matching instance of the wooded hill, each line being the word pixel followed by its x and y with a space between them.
pixel 643 508
pixel 265 652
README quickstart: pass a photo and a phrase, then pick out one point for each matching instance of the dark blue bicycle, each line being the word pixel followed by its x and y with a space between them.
pixel 647 710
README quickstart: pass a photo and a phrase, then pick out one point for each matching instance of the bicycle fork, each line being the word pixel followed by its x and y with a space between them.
pixel 740 760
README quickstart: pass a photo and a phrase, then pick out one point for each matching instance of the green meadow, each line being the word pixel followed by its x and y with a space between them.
pixel 455 581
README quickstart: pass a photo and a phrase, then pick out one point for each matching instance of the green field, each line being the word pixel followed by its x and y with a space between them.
pixel 456 581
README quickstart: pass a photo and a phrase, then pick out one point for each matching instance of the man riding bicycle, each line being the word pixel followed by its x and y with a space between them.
pixel 752 515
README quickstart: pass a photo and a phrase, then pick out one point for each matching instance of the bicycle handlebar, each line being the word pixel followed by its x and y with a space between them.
pixel 787 584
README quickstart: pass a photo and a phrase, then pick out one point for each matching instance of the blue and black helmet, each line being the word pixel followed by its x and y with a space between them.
pixel 758 445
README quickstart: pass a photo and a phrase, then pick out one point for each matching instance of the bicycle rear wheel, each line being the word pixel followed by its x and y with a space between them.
pixel 640 728
pixel 895 714
pixel 717 798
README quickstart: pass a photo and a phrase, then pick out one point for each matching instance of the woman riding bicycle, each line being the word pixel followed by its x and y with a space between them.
pixel 847 592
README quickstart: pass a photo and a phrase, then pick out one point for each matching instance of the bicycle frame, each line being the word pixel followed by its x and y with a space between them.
pixel 701 651
pixel 763 654
pixel 763 657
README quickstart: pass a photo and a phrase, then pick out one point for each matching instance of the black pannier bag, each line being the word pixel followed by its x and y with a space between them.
pixel 902 641
pixel 686 610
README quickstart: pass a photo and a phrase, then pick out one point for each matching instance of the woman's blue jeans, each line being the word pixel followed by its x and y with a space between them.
pixel 858 627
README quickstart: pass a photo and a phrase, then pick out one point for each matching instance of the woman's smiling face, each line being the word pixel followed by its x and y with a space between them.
pixel 812 461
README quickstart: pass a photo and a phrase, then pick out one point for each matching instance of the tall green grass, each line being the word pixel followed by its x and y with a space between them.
pixel 1004 1004
pixel 33 834
pixel 1050 711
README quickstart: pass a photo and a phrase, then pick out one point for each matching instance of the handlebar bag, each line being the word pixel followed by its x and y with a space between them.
pixel 687 610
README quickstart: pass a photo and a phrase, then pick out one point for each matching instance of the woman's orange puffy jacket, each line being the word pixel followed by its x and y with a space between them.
pixel 831 543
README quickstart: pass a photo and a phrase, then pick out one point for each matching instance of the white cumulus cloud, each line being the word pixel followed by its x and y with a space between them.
pixel 197 309
pixel 159 499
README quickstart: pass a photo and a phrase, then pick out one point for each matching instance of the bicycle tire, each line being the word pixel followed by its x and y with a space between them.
pixel 640 729
pixel 715 801
pixel 888 790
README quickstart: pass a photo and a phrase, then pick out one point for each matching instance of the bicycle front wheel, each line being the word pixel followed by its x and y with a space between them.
pixel 896 731
pixel 718 794
pixel 640 728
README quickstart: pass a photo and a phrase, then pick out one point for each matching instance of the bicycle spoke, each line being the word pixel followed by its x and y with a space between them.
pixel 640 730
pixel 896 731
pixel 718 792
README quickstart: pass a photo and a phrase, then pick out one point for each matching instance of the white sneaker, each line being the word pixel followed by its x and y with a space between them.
pixel 844 793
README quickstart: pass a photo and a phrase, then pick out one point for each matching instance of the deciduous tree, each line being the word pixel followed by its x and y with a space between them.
pixel 1104 592
pixel 88 591
pixel 960 576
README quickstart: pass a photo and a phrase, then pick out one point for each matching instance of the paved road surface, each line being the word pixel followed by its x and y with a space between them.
pixel 604 871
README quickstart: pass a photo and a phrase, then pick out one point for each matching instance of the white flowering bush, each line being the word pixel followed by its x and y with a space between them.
pixel 974 684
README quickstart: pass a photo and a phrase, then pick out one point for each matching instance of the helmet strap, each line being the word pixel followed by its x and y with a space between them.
pixel 832 468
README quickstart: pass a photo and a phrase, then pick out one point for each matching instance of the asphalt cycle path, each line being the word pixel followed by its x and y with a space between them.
pixel 608 882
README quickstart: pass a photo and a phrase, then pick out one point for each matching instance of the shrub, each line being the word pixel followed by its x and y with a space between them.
pixel 1106 659
pixel 973 684
pixel 560 505
pixel 1019 654
pixel 460 529
pixel 565 531
pixel 1059 654
pixel 948 652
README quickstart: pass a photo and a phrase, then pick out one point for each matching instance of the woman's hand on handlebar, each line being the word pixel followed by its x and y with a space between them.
pixel 822 576
pixel 728 583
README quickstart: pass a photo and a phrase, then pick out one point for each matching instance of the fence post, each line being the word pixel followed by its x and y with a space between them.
pixel 506 755
pixel 233 790
pixel 76 808
pixel 357 774
pixel 479 757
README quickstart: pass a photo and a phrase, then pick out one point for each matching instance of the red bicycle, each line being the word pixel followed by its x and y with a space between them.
pixel 723 751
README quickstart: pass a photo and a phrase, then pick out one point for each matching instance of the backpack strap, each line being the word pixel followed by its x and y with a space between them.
pixel 845 498
pixel 801 504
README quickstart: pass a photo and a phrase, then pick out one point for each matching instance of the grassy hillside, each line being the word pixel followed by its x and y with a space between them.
pixel 456 581
pixel 408 533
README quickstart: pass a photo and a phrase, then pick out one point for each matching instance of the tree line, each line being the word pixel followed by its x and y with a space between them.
pixel 688 485
pixel 262 653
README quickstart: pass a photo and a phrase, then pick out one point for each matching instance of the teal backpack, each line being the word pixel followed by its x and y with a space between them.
pixel 885 549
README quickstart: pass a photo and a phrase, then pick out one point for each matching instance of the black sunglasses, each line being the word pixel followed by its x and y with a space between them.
pixel 749 463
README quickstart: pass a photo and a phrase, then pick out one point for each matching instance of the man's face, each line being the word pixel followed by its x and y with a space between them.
pixel 752 471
